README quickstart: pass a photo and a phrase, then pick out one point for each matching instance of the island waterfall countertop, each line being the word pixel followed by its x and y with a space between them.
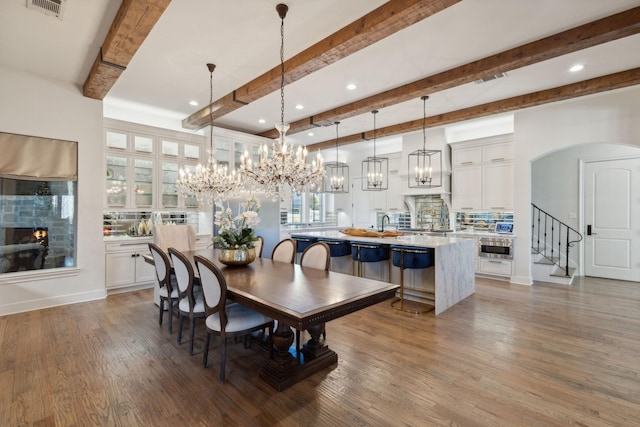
pixel 454 262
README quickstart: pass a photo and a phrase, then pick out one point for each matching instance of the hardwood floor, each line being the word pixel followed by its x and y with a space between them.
pixel 509 355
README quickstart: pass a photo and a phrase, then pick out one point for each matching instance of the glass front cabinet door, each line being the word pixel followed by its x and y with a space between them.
pixel 116 187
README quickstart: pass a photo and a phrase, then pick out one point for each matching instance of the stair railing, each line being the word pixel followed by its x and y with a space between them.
pixel 549 235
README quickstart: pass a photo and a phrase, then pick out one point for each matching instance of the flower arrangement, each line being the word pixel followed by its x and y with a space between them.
pixel 238 232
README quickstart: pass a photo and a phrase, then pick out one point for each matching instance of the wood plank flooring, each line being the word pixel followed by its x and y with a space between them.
pixel 510 355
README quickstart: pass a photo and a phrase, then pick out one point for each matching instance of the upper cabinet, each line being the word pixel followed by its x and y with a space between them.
pixel 142 166
pixel 482 175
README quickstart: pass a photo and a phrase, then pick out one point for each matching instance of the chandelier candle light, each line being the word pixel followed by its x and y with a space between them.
pixel 212 182
pixel 375 169
pixel 281 168
pixel 337 173
pixel 422 162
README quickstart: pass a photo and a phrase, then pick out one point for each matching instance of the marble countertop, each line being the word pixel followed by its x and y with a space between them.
pixel 408 240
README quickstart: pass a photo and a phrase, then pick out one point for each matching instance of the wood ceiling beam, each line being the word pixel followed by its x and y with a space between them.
pixel 616 26
pixel 388 19
pixel 587 87
pixel 129 29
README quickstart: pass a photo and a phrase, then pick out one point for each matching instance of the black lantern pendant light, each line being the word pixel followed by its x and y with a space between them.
pixel 425 166
pixel 337 179
pixel 375 170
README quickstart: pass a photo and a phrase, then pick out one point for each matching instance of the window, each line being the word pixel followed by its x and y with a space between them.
pixel 316 203
pixel 296 208
pixel 37 203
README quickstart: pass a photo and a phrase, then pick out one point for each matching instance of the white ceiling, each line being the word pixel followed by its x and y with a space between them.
pixel 243 39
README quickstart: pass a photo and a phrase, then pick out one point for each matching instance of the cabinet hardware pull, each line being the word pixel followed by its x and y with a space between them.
pixel 467 163
pixel 496 262
pixel 498 159
pixel 497 207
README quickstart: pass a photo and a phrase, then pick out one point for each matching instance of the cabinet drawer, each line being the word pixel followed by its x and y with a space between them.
pixel 497 152
pixel 467 156
pixel 128 246
pixel 493 266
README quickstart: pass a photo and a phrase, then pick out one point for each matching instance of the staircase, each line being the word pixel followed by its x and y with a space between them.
pixel 551 243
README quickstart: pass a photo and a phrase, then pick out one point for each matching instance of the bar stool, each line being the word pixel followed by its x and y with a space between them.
pixel 302 243
pixel 410 257
pixel 364 252
pixel 337 248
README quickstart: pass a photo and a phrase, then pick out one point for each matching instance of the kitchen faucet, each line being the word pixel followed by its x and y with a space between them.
pixel 382 223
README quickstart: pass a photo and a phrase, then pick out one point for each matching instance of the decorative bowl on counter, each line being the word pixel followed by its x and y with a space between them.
pixel 361 232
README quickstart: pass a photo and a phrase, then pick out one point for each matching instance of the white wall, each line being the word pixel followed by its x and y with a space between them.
pixel 606 118
pixel 30 105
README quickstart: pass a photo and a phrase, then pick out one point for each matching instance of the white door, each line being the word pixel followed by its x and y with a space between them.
pixel 612 219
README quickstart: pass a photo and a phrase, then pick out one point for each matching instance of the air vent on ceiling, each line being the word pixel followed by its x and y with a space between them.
pixel 48 7
pixel 488 79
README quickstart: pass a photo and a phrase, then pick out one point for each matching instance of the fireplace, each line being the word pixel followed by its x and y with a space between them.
pixel 24 248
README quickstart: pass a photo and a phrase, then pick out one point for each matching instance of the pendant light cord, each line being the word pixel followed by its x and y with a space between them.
pixel 424 122
pixel 337 124
pixel 282 69
pixel 374 132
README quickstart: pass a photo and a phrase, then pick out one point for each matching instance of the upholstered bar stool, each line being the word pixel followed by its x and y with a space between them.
pixel 302 243
pixel 410 257
pixel 363 252
pixel 337 248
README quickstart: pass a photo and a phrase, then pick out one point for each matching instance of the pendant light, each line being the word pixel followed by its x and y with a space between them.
pixel 211 182
pixel 337 179
pixel 425 166
pixel 280 168
pixel 375 170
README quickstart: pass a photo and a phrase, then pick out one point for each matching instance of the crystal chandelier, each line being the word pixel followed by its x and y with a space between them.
pixel 337 179
pixel 375 170
pixel 281 167
pixel 210 182
pixel 422 162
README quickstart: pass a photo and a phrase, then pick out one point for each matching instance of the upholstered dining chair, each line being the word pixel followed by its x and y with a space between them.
pixel 167 286
pixel 258 245
pixel 222 319
pixel 179 236
pixel 316 256
pixel 190 304
pixel 285 251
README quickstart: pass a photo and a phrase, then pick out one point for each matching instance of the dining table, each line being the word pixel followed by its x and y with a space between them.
pixel 299 298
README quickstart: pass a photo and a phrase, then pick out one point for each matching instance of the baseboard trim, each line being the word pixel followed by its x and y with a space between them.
pixel 521 280
pixel 56 301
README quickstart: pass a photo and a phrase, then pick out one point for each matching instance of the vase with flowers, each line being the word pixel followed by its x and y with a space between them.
pixel 236 235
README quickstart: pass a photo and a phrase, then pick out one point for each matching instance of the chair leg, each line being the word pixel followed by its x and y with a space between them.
pixel 298 345
pixel 161 310
pixel 170 316
pixel 224 358
pixel 192 330
pixel 206 350
pixel 180 324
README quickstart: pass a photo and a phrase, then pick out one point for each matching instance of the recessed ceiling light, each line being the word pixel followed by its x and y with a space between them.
pixel 576 68
pixel 194 103
pixel 310 134
pixel 352 86
pixel 299 107
pixel 262 121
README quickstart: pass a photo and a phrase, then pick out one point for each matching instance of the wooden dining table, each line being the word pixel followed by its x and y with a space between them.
pixel 300 298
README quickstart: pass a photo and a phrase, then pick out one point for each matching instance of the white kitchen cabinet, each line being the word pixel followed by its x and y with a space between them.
pixel 466 188
pixel 497 186
pixel 482 177
pixel 125 266
pixel 495 267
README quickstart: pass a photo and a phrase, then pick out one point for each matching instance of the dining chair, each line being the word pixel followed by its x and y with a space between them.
pixel 167 286
pixel 178 236
pixel 285 251
pixel 316 256
pixel 190 304
pixel 222 319
pixel 258 245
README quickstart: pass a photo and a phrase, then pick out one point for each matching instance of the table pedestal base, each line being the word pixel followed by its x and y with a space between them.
pixel 283 370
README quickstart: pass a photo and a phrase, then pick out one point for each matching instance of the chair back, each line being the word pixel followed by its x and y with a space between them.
pixel 284 251
pixel 316 256
pixel 162 265
pixel 181 237
pixel 259 244
pixel 214 287
pixel 184 275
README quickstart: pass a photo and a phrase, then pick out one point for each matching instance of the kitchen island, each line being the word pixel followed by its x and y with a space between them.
pixel 452 274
